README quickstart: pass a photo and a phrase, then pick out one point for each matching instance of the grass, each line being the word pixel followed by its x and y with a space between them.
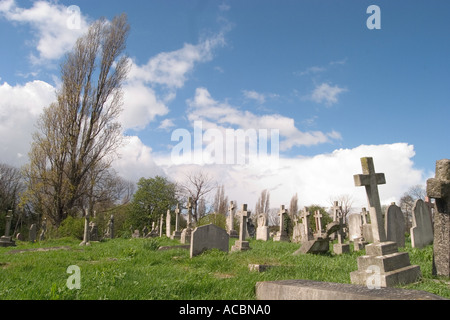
pixel 133 269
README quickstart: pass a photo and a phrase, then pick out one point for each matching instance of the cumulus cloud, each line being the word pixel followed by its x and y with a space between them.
pixel 216 114
pixel 324 93
pixel 55 26
pixel 20 107
pixel 315 179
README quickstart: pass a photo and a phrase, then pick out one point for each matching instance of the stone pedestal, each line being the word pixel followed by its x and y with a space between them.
pixel 186 236
pixel 383 266
pixel 240 246
pixel 7 242
pixel 176 235
pixel 340 248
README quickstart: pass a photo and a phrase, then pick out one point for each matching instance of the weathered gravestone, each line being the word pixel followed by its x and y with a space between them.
pixel 438 188
pixel 395 225
pixel 355 226
pixel 230 221
pixel 43 230
pixel 33 233
pixel 93 231
pixel 86 234
pixel 366 227
pixel 208 237
pixel 186 233
pixel 168 218
pixel 341 247
pixel 262 232
pixel 281 234
pixel 241 244
pixel 6 240
pixel 161 222
pixel 383 265
pixel 177 233
pixel 298 232
pixel 422 228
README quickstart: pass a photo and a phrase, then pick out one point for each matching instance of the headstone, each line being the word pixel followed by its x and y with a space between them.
pixel 161 222
pixel 341 247
pixel 177 233
pixel 355 226
pixel 33 233
pixel 43 230
pixel 305 221
pixel 110 228
pixel 251 230
pixel 86 235
pixel 438 188
pixel 395 225
pixel 136 234
pixel 6 240
pixel 262 232
pixel 298 231
pixel 93 231
pixel 422 228
pixel 281 234
pixel 208 237
pixel 383 265
pixel 337 210
pixel 431 210
pixel 168 232
pixel 241 244
pixel 230 221
pixel 154 232
pixel 186 233
pixel 366 227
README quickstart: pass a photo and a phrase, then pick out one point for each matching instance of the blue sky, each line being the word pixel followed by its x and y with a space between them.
pixel 312 69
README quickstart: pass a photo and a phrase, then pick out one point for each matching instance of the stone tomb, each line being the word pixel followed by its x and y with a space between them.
pixel 382 265
pixel 438 188
pixel 208 237
pixel 422 229
pixel 395 225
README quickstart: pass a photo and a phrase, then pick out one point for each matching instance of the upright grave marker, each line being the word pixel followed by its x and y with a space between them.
pixel 383 265
pixel 168 217
pixel 395 225
pixel 86 235
pixel 186 233
pixel 422 228
pixel 6 240
pixel 438 188
pixel 208 237
pixel 177 233
pixel 281 235
pixel 241 244
pixel 262 232
pixel 230 221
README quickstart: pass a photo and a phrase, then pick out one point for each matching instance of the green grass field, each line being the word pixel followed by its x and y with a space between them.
pixel 132 269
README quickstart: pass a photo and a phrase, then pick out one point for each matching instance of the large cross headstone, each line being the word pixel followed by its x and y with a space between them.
pixel 370 180
pixel 6 240
pixel 383 265
pixel 317 217
pixel 230 221
pixel 281 235
pixel 305 221
pixel 438 188
pixel 241 244
pixel 337 210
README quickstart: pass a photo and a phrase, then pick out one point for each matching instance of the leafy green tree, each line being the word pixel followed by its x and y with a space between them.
pixel 325 216
pixel 152 199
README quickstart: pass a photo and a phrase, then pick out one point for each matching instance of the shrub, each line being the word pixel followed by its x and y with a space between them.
pixel 72 227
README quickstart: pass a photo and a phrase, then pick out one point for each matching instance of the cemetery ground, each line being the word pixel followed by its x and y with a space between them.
pixel 134 269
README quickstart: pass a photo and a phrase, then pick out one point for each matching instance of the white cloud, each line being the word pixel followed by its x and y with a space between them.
pixel 166 124
pixel 53 25
pixel 315 179
pixel 324 93
pixel 20 107
pixel 215 114
pixel 258 97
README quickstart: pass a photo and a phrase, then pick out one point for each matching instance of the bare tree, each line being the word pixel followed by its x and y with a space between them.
pixel 345 201
pixel 197 185
pixel 220 204
pixel 408 199
pixel 11 186
pixel 78 135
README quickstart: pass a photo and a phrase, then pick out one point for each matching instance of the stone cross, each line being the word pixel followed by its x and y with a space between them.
pixel 281 213
pixel 438 188
pixel 337 210
pixel 177 217
pixel 243 227
pixel 317 217
pixel 305 215
pixel 370 180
